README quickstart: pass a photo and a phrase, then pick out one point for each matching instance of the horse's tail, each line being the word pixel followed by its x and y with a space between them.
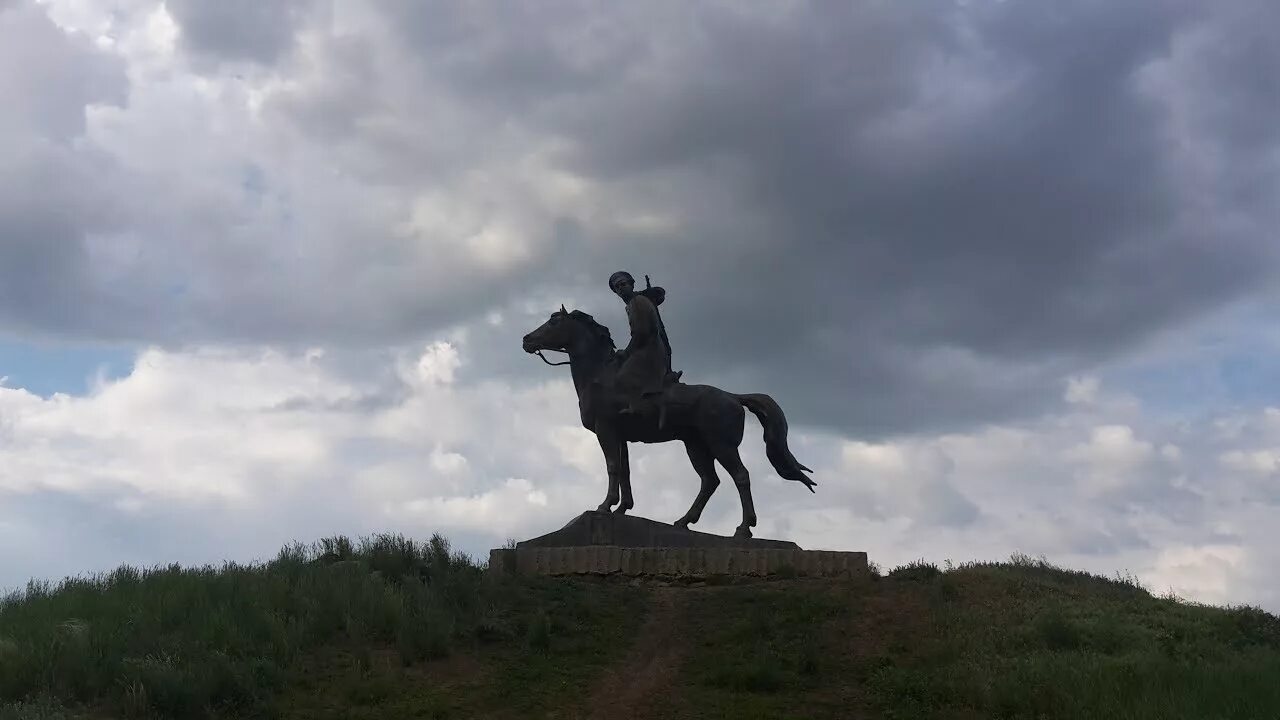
pixel 770 415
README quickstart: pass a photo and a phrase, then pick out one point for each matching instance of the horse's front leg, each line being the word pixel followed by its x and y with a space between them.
pixel 614 453
pixel 624 478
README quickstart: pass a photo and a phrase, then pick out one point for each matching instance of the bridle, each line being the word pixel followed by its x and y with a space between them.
pixel 544 357
pixel 545 360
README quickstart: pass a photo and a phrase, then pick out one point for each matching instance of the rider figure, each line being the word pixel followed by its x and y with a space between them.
pixel 645 364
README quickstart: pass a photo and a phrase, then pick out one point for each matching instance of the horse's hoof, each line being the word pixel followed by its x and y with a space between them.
pixel 682 524
pixel 621 510
pixel 604 507
pixel 742 533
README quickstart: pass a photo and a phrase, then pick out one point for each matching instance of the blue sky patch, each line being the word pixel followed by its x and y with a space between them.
pixel 48 368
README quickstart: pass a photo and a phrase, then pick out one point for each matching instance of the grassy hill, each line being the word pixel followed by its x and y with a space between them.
pixel 389 627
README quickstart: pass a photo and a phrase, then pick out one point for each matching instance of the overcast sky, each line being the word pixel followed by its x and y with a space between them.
pixel 1009 266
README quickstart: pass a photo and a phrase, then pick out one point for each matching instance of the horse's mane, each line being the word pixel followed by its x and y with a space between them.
pixel 600 332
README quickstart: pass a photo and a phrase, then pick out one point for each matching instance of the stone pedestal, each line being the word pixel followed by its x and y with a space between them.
pixel 604 528
pixel 598 543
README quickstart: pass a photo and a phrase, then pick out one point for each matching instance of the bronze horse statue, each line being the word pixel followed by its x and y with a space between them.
pixel 708 420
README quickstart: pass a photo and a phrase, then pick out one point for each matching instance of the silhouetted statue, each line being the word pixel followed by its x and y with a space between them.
pixel 709 421
pixel 645 363
pixel 657 295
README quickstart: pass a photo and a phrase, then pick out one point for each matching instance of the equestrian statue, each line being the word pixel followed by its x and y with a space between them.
pixel 633 395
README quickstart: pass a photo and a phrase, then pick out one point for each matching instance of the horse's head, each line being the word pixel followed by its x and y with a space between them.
pixel 565 331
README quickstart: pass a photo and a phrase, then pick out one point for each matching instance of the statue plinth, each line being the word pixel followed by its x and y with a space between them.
pixel 601 543
pixel 606 528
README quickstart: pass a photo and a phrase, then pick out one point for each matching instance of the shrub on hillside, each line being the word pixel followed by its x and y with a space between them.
pixel 174 640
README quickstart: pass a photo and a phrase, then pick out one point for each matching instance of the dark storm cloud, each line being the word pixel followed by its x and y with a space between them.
pixel 49 191
pixel 1042 225
pixel 239 29
pixel 47 77
pixel 892 216
pixel 904 217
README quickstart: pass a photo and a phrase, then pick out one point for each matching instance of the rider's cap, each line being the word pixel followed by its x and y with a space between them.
pixel 618 276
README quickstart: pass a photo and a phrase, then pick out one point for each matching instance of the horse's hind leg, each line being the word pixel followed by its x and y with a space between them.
pixel 732 462
pixel 704 463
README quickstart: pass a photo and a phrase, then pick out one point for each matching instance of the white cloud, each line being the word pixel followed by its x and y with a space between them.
pixel 1207 573
pixel 1111 460
pixel 436 365
pixel 298 445
pixel 505 510
pixel 889 480
pixel 261 439
pixel 1081 390
pixel 1259 462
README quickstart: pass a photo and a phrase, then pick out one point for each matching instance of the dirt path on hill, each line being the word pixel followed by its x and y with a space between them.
pixel 648 670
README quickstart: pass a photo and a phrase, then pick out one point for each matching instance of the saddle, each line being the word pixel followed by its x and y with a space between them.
pixel 661 399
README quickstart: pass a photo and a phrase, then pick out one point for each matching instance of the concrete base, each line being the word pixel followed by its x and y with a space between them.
pixel 604 528
pixel 676 562
pixel 601 543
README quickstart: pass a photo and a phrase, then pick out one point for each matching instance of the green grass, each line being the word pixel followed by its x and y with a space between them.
pixel 1020 639
pixel 230 641
pixel 1026 639
pixel 185 642
pixel 390 627
pixel 764 650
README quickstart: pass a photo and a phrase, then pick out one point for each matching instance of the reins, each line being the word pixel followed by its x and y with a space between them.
pixel 545 360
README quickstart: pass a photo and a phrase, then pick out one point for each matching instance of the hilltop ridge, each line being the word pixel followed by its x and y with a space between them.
pixel 392 627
